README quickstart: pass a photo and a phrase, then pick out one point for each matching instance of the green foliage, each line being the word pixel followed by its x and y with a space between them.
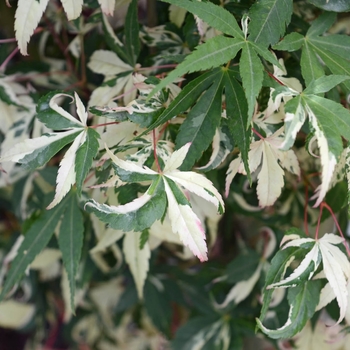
pixel 120 135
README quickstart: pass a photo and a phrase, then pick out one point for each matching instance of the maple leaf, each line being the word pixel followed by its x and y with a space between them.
pixel 166 192
pixel 36 152
pixel 266 153
pixel 313 254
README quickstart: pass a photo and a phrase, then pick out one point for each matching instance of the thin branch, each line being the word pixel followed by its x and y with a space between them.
pixel 8 59
pixel 258 134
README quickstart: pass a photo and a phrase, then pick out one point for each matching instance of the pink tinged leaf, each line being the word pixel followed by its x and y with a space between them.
pixel 177 158
pixel 270 178
pixel 81 111
pixel 28 146
pixel 129 166
pixel 66 175
pixel 198 184
pixel 231 173
pixel 53 104
pixel 72 8
pixel 28 15
pixel 187 225
pixel 107 6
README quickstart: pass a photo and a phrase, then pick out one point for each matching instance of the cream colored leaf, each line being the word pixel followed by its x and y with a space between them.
pixel 66 173
pixel 270 178
pixel 198 184
pixel 231 173
pixel 107 6
pixel 15 315
pixel 72 8
pixel 177 158
pixel 27 17
pixel 107 63
pixel 129 166
pixel 336 268
pixel 109 237
pixel 80 109
pixel 137 259
pixel 187 225
pixel 328 161
pixel 177 15
pixel 242 289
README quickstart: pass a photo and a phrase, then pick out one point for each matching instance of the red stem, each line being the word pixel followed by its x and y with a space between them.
pixel 258 134
pixel 104 124
pixel 276 79
pixel 8 59
pixel 324 204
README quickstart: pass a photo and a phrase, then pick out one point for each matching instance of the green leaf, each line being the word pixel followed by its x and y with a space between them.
pixel 138 219
pixel 277 271
pixel 311 68
pixel 216 16
pixel 42 155
pixel 196 332
pixel 84 157
pixel 332 5
pixel 242 267
pixel 303 300
pixel 131 30
pixel 322 23
pixel 335 63
pixel 237 116
pixel 335 44
pixel 70 241
pixel 158 305
pixel 269 19
pixel 112 40
pixel 333 118
pixel 201 122
pixel 251 70
pixel 143 238
pixel 35 240
pixel 51 118
pixel 290 42
pixel 186 98
pixel 324 84
pixel 213 53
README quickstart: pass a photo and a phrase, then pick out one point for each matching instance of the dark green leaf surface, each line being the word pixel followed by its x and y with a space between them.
pixel 251 70
pixel 213 53
pixel 201 122
pixel 216 16
pixel 324 84
pixel 303 300
pixel 131 30
pixel 84 157
pixel 137 220
pixel 51 118
pixel 333 119
pixel 269 19
pixel 237 116
pixel 35 240
pixel 332 5
pixel 70 240
pixel 42 155
pixel 322 23
pixel 186 98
